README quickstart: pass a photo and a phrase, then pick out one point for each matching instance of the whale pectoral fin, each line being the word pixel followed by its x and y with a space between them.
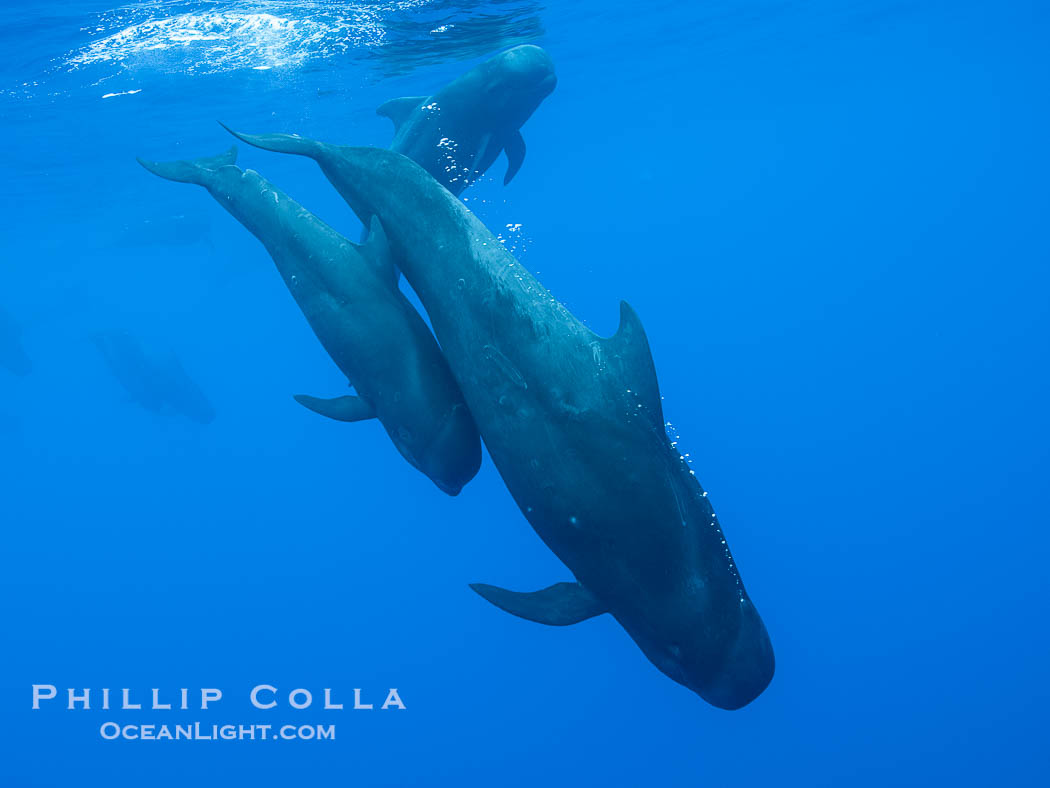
pixel 488 151
pixel 558 606
pixel 514 147
pixel 376 249
pixel 339 408
pixel 399 109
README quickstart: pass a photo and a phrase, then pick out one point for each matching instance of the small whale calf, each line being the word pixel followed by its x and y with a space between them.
pixel 13 356
pixel 459 132
pixel 574 424
pixel 154 381
pixel 349 296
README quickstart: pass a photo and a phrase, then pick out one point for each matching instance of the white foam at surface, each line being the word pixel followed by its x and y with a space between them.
pixel 215 37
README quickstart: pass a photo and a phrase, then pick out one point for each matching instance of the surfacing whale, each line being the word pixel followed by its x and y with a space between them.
pixel 574 424
pixel 349 296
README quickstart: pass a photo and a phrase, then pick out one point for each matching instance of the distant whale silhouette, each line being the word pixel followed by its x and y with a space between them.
pixel 349 295
pixel 458 133
pixel 13 356
pixel 574 424
pixel 154 381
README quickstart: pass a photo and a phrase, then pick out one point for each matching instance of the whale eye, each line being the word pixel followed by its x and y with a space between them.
pixel 675 651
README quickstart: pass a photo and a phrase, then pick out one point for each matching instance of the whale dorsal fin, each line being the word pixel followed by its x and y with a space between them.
pixel 376 249
pixel 514 147
pixel 346 408
pixel 628 350
pixel 558 606
pixel 399 109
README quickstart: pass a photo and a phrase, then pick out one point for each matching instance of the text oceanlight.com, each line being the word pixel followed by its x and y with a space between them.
pixel 198 732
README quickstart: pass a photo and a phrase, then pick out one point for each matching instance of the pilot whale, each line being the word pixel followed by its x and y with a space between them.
pixel 154 379
pixel 13 356
pixel 458 133
pixel 349 296
pixel 574 424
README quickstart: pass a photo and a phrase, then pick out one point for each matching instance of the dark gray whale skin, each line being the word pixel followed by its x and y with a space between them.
pixel 349 296
pixel 152 381
pixel 458 133
pixel 13 356
pixel 574 424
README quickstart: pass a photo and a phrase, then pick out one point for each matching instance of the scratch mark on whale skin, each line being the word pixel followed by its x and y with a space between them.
pixel 506 369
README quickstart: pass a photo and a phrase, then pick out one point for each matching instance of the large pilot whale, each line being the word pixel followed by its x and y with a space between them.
pixel 458 133
pixel 13 356
pixel 574 424
pixel 349 296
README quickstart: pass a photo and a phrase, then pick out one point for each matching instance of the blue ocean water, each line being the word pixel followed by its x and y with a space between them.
pixel 831 218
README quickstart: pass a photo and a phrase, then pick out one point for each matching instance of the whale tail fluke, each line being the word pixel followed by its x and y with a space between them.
pixel 278 143
pixel 191 170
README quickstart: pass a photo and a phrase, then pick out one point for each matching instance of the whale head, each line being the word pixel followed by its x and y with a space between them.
pixel 517 81
pixel 449 456
pixel 727 672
